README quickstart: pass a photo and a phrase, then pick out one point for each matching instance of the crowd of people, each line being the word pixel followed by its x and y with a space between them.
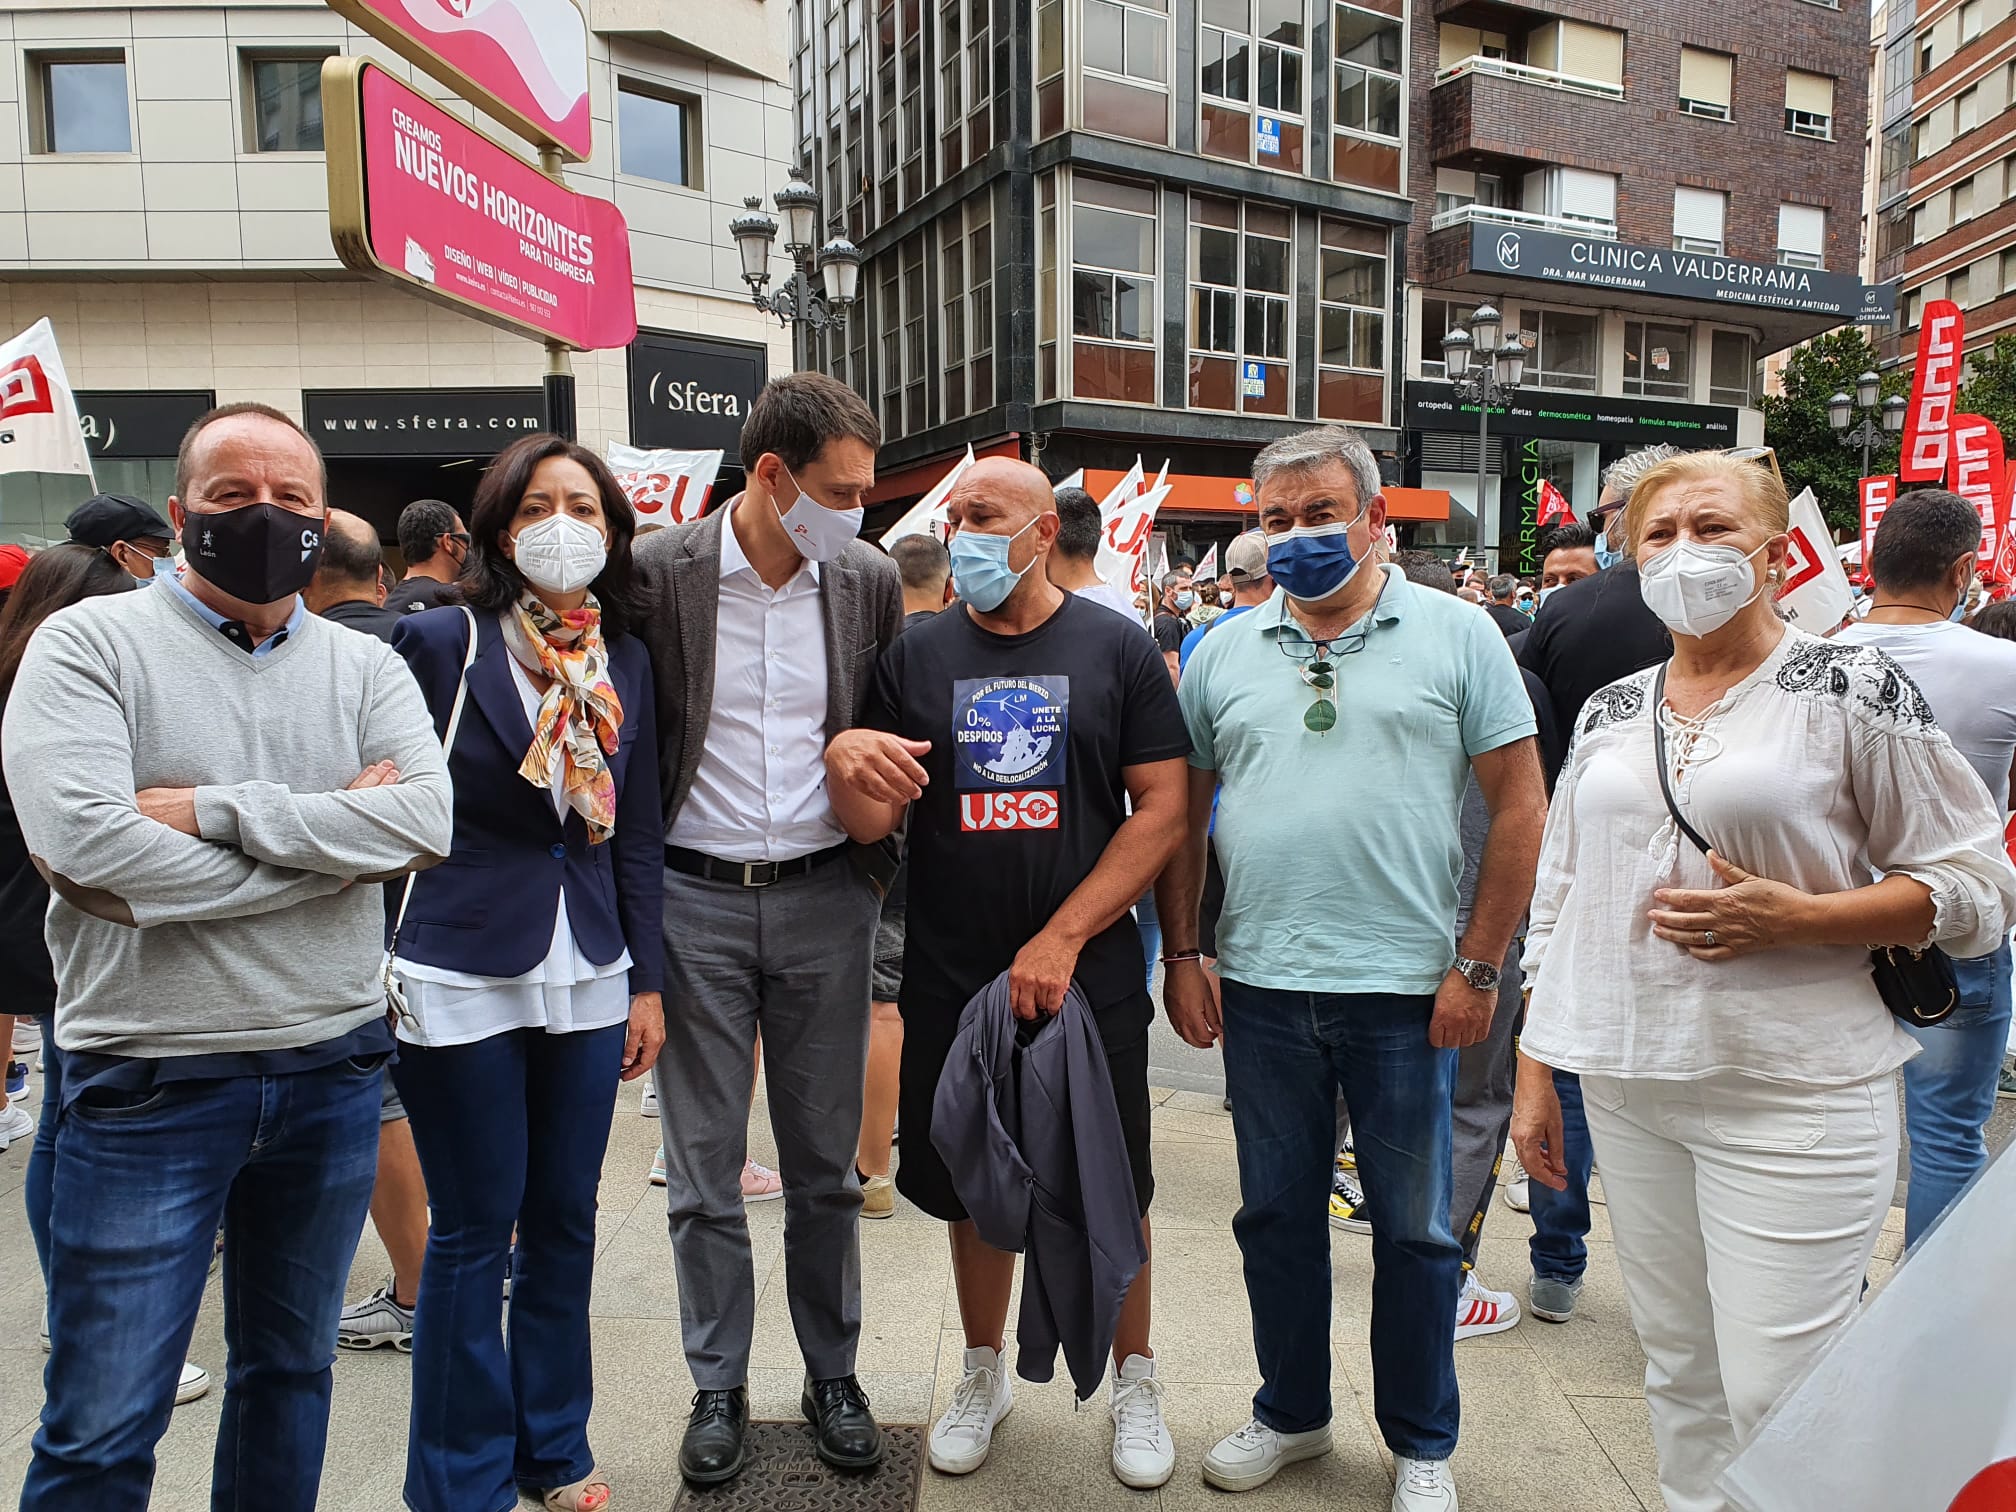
pixel 335 897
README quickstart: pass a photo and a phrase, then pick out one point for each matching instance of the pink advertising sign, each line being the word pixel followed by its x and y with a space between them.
pixel 420 198
pixel 523 61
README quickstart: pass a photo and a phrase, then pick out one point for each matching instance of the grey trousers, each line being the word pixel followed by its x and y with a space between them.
pixel 792 961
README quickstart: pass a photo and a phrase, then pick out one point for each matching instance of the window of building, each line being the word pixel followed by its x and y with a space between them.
pixel 1706 82
pixel 1046 286
pixel 1457 44
pixel 1970 20
pixel 1802 236
pixel 1351 329
pixel 1366 88
pixel 1049 67
pixel 1929 219
pixel 1914 308
pixel 1698 216
pixel 285 95
pixel 1561 349
pixel 900 316
pixel 1251 68
pixel 1967 110
pixel 1438 318
pixel 1732 369
pixel 1124 53
pixel 1809 104
pixel 1963 201
pixel 1113 308
pixel 1578 50
pixel 965 91
pixel 1241 277
pixel 1572 194
pixel 1925 52
pixel 1658 359
pixel 1984 282
pixel 654 135
pixel 966 295
pixel 1456 188
pixel 84 106
pixel 2009 271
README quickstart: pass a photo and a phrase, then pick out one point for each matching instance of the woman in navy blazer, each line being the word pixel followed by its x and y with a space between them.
pixel 531 962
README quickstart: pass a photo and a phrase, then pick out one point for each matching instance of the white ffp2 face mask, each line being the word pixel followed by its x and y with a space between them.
pixel 1697 589
pixel 560 554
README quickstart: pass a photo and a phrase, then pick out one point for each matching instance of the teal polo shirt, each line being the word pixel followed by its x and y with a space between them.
pixel 1342 851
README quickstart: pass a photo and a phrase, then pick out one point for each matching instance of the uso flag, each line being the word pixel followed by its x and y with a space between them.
pixel 38 413
pixel 665 487
pixel 1910 1408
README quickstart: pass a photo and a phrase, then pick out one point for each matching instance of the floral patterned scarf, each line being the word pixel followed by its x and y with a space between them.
pixel 575 731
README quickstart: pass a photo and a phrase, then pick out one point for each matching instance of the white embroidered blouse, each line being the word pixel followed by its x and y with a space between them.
pixel 1820 769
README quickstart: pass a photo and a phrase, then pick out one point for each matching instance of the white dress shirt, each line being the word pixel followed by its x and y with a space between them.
pixel 1819 769
pixel 564 993
pixel 760 791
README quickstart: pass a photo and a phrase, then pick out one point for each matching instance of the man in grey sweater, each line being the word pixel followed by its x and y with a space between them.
pixel 203 770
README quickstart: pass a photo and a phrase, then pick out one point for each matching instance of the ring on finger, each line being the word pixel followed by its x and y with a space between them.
pixel 1708 938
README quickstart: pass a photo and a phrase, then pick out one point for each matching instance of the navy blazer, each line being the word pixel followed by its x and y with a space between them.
pixel 489 908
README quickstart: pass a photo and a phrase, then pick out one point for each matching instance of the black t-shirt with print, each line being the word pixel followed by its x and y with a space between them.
pixel 1028 734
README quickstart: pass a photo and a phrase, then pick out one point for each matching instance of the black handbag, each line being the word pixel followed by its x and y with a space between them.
pixel 1918 986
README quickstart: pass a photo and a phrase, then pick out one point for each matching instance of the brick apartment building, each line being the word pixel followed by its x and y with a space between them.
pixel 1656 196
pixel 1944 220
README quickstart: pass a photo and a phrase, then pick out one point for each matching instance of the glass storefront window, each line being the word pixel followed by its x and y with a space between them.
pixel 1561 349
pixel 1732 368
pixel 1658 360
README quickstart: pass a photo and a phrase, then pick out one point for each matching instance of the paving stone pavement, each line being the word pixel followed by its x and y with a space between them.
pixel 1553 1417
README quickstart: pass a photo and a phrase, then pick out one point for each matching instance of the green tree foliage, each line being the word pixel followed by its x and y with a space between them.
pixel 1992 393
pixel 1795 421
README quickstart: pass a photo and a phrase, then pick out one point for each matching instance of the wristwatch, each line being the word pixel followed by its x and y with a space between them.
pixel 1479 974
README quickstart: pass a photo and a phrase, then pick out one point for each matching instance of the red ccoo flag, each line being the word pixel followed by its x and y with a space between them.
pixel 1554 508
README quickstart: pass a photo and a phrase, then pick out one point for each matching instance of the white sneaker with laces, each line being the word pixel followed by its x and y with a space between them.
pixel 1518 1196
pixel 1144 1455
pixel 961 1438
pixel 377 1320
pixel 14 1125
pixel 193 1383
pixel 1422 1485
pixel 1480 1310
pixel 1254 1454
pixel 647 1104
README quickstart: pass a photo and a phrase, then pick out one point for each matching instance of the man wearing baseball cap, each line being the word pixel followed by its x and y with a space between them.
pixel 128 530
pixel 1246 567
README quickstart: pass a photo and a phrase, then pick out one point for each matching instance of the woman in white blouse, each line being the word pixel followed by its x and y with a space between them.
pixel 531 963
pixel 1736 1058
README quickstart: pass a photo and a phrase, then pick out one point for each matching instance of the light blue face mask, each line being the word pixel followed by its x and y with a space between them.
pixel 164 566
pixel 980 571
pixel 1606 556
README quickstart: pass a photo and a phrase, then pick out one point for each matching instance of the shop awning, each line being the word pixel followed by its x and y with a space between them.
pixel 1417 503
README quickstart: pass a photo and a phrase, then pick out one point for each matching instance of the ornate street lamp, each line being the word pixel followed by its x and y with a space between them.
pixel 838 263
pixel 1483 373
pixel 1877 422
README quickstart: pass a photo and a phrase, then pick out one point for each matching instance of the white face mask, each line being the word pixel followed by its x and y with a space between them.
pixel 819 533
pixel 1698 589
pixel 560 554
pixel 1549 591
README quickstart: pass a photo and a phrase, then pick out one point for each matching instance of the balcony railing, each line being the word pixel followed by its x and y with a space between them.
pixel 1546 78
pixel 1498 215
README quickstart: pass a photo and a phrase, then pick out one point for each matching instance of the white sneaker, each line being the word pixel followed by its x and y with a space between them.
pixel 1518 1196
pixel 376 1321
pixel 1251 1457
pixel 1422 1485
pixel 1144 1455
pixel 658 1167
pixel 648 1103
pixel 14 1124
pixel 961 1438
pixel 195 1382
pixel 1480 1311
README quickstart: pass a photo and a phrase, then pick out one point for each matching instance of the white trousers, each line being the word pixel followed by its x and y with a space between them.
pixel 1745 1213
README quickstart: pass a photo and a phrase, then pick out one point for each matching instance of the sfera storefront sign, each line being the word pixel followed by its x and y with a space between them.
pixel 691 393
pixel 420 422
pixel 119 423
pixel 1574 417
pixel 1592 261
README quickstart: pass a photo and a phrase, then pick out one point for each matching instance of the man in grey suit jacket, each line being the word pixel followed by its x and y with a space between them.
pixel 764 622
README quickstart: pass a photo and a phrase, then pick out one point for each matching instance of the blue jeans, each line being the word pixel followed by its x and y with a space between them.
pixel 286 1164
pixel 1561 1219
pixel 510 1130
pixel 1949 1090
pixel 1149 922
pixel 41 1175
pixel 1286 1056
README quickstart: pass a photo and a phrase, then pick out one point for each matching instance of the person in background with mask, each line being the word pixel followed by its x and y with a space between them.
pixel 128 530
pixel 1014 731
pixel 1567 555
pixel 764 621
pixel 1923 562
pixel 1338 724
pixel 435 544
pixel 532 964
pixel 1738 1064
pixel 1174 618
pixel 1524 601
pixel 1504 613
pixel 219 1003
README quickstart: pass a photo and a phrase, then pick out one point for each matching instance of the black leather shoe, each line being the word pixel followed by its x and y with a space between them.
pixel 848 1438
pixel 714 1450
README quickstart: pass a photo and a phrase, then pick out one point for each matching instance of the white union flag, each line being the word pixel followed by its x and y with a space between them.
pixel 39 430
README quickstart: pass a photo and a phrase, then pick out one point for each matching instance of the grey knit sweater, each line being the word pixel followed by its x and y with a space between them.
pixel 250 938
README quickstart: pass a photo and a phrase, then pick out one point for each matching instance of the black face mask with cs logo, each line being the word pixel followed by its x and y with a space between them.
pixel 259 553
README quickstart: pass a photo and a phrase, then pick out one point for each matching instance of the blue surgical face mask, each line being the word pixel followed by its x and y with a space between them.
pixel 1606 555
pixel 1959 610
pixel 164 566
pixel 1184 601
pixel 1312 562
pixel 980 571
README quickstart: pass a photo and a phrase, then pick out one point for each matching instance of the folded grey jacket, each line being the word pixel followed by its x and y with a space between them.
pixel 1026 1123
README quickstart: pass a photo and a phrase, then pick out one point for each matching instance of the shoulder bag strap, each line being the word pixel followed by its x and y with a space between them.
pixel 1659 752
pixel 447 746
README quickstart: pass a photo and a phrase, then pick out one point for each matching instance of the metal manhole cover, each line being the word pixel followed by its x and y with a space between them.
pixel 785 1475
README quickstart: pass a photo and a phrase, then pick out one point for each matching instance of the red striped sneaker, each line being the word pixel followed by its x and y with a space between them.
pixel 1479 1310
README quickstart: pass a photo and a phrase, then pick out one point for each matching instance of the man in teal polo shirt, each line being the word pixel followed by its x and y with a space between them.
pixel 1340 721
